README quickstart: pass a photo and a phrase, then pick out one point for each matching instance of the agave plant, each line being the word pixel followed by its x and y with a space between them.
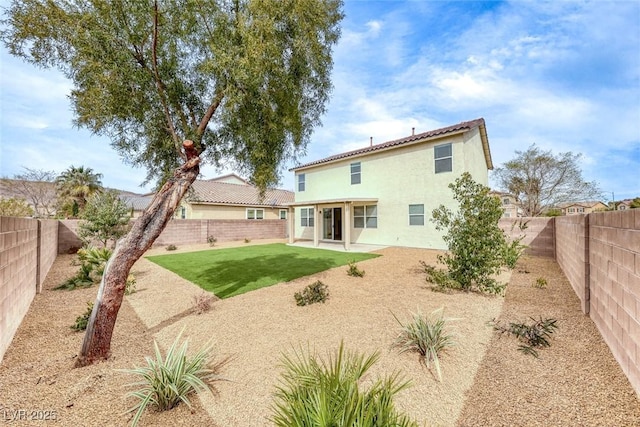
pixel 166 381
pixel 316 392
pixel 427 335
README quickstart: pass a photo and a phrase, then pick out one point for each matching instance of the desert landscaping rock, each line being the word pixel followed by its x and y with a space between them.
pixel 486 381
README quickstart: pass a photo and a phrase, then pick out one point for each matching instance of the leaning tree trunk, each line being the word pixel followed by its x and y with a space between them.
pixel 146 229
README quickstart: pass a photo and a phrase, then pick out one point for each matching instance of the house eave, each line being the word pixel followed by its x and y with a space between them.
pixel 351 200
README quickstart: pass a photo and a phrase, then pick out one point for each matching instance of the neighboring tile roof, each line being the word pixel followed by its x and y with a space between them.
pixel 136 201
pixel 234 194
pixel 587 204
pixel 464 126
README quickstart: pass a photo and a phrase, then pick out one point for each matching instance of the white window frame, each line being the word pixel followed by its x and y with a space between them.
pixel 439 159
pixel 356 176
pixel 416 215
pixel 302 182
pixel 252 213
pixel 369 216
pixel 306 217
pixel 283 211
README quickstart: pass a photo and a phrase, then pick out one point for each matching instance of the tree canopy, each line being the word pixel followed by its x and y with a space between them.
pixel 246 80
pixel 541 180
pixel 105 218
pixel 176 82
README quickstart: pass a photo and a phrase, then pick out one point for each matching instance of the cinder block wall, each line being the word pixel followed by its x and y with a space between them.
pixel 68 240
pixel 18 271
pixel 572 254
pixel 614 258
pixel 194 231
pixel 47 248
pixel 538 234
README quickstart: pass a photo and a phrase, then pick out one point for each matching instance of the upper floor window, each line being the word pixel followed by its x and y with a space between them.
pixel 416 214
pixel 443 155
pixel 301 182
pixel 306 217
pixel 283 214
pixel 355 173
pixel 183 212
pixel 622 207
pixel 580 209
pixel 571 210
pixel 506 201
pixel 365 216
pixel 255 213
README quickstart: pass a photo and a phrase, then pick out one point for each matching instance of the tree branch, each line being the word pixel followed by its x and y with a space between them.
pixel 210 112
pixel 159 84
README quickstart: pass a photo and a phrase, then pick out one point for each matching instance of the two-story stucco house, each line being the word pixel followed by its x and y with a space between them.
pixel 384 194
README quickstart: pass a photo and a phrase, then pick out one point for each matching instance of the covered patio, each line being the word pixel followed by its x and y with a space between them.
pixel 332 220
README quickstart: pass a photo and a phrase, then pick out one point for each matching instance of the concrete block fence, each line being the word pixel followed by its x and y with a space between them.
pixel 28 248
pixel 599 254
pixel 191 231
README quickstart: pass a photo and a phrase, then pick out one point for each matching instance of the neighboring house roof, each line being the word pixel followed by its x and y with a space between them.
pixel 420 137
pixel 587 204
pixel 136 201
pixel 224 193
pixel 231 178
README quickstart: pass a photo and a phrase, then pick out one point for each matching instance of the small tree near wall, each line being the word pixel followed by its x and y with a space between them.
pixel 106 219
pixel 476 243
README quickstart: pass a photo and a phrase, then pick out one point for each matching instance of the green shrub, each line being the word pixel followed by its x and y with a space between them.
pixel 211 240
pixel 532 336
pixel 316 392
pixel 92 265
pixel 246 240
pixel 171 247
pixel 476 244
pixel 130 286
pixel 540 283
pixel 165 382
pixel 83 319
pixel 427 335
pixel 354 271
pixel 313 293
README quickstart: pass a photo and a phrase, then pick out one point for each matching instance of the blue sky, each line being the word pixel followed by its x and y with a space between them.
pixel 564 75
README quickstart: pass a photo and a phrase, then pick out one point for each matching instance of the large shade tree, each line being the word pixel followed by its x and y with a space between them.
pixel 176 82
pixel 541 180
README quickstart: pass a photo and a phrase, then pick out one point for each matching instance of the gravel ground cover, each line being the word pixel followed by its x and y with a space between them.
pixel 486 381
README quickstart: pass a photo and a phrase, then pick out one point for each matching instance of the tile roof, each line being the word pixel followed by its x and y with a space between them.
pixel 464 126
pixel 236 194
pixel 587 204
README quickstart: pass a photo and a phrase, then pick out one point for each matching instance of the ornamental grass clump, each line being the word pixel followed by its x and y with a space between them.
pixel 318 392
pixel 532 336
pixel 166 381
pixel 427 335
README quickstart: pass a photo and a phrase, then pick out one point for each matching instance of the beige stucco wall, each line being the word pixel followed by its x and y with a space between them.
pixel 397 178
pixel 198 211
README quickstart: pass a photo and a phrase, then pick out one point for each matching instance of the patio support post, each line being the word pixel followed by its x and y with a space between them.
pixel 316 230
pixel 291 217
pixel 347 226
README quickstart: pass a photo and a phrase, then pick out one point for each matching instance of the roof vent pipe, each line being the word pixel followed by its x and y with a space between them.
pixel 370 141
pixel 413 131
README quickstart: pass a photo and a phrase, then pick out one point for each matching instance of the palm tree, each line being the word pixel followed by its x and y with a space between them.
pixel 75 185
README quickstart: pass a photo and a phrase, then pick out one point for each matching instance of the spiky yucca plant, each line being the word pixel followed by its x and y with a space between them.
pixel 165 382
pixel 316 392
pixel 428 335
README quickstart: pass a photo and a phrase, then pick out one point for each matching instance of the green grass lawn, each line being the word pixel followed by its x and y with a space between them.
pixel 234 271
